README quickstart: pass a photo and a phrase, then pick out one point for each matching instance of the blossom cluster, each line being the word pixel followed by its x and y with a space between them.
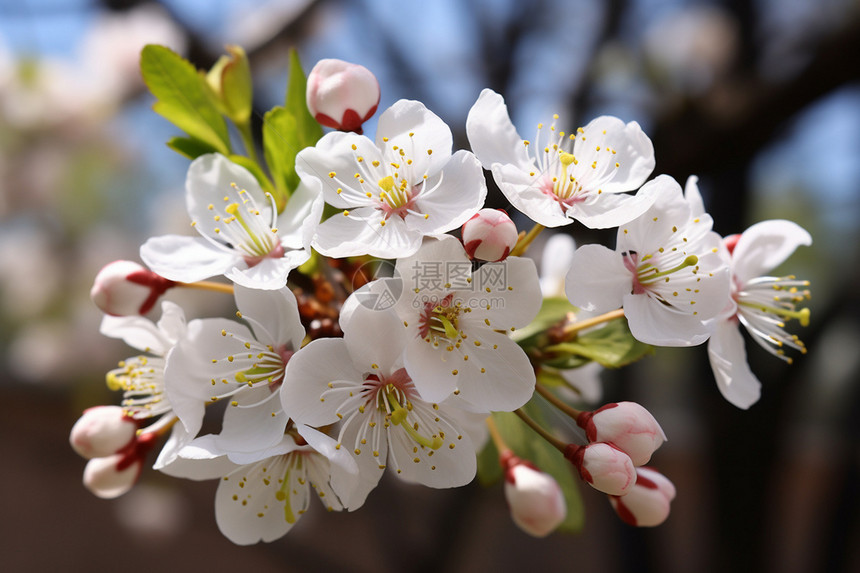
pixel 329 375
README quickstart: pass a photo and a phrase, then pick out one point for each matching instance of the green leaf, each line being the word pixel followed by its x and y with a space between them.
pixel 190 148
pixel 255 170
pixel 280 147
pixel 552 311
pixel 230 80
pixel 611 345
pixel 296 103
pixel 183 97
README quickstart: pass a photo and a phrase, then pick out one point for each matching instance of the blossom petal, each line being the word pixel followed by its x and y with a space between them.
pixel 141 333
pixel 268 274
pixel 429 372
pixel 652 322
pixel 420 133
pixel 610 210
pixel 210 177
pixel 374 337
pixel 492 135
pixel 693 197
pixel 253 423
pixel 362 234
pixel 186 259
pixel 308 374
pixel 343 470
pixel 597 280
pixel 728 358
pixel 459 196
pixel 275 315
pixel 301 217
pixel 507 293
pixel 332 162
pixel 765 246
pixel 199 460
pixel 634 153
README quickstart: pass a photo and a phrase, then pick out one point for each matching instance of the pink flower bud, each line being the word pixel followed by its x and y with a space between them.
pixel 125 288
pixel 342 95
pixel 489 235
pixel 535 499
pixel 603 466
pixel 648 502
pixel 627 426
pixel 111 476
pixel 102 431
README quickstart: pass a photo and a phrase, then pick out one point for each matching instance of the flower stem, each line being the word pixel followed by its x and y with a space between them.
pixel 555 442
pixel 501 446
pixel 209 285
pixel 594 321
pixel 524 243
pixel 557 402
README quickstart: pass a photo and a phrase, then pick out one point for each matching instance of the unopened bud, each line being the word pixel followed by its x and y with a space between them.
pixel 627 426
pixel 535 499
pixel 125 288
pixel 489 235
pixel 102 431
pixel 603 466
pixel 342 95
pixel 111 476
pixel 648 502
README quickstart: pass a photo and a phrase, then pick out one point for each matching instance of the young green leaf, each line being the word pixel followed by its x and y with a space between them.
pixel 296 104
pixel 611 346
pixel 182 97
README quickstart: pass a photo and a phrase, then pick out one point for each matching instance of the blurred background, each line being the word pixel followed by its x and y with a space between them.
pixel 760 99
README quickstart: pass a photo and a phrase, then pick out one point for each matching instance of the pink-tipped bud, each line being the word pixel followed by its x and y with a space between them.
pixel 535 499
pixel 342 95
pixel 102 431
pixel 627 426
pixel 603 466
pixel 111 476
pixel 489 235
pixel 649 501
pixel 125 288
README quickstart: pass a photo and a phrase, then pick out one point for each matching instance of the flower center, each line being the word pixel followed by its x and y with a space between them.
pixel 245 228
pixel 142 380
pixel 764 306
pixel 440 321
pixel 392 400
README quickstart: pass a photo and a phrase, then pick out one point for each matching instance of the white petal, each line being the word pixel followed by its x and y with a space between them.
pixel 186 259
pixel 363 234
pixel 431 375
pixel 179 438
pixel 652 322
pixel 136 331
pixel 765 246
pixel 492 135
pixel 610 210
pixel 507 380
pixel 693 197
pixel 308 374
pixel 274 314
pixel 301 217
pixel 555 261
pixel 374 337
pixel 728 359
pixel 344 471
pixel 597 280
pixel 199 460
pixel 510 289
pixel 634 152
pixel 333 153
pixel 252 424
pixel 460 195
pixel 210 178
pixel 430 144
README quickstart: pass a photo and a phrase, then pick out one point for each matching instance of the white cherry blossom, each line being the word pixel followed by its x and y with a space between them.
pixel 665 271
pixel 393 191
pixel 762 304
pixel 222 359
pixel 359 380
pixel 560 177
pixel 457 322
pixel 242 236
